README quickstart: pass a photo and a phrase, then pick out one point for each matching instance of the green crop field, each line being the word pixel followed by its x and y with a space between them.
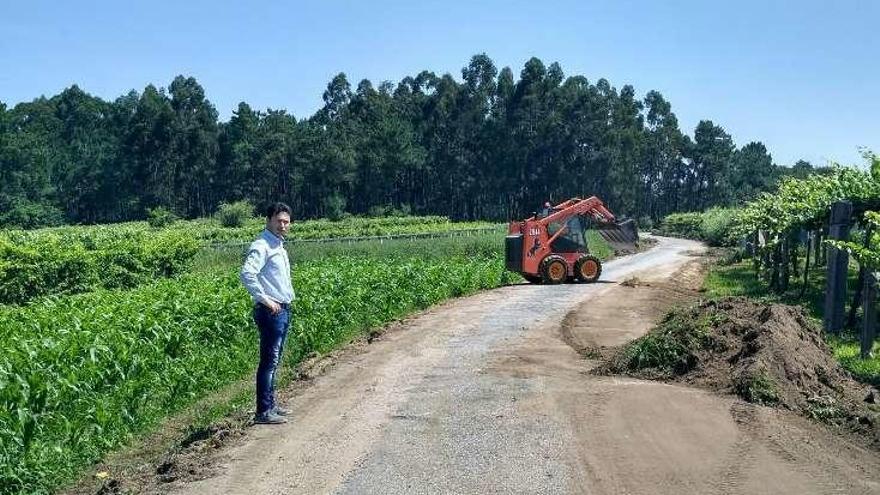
pixel 114 330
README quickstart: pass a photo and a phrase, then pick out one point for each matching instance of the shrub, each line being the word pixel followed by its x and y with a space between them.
pixel 29 215
pixel 646 223
pixel 682 224
pixel 377 211
pixel 234 214
pixel 59 264
pixel 334 206
pixel 160 216
pixel 717 226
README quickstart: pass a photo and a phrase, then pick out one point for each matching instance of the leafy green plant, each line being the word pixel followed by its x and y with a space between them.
pixel 670 348
pixel 805 202
pixel 70 260
pixel 160 216
pixel 758 388
pixel 235 214
pixel 29 215
pixel 682 224
pixel 209 229
pixel 58 265
pixel 335 207
pixel 867 254
pixel 716 226
pixel 825 408
pixel 81 374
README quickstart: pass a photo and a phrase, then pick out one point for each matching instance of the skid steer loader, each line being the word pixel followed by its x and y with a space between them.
pixel 551 247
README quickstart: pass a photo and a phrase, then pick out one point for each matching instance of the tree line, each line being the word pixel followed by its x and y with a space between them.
pixel 487 146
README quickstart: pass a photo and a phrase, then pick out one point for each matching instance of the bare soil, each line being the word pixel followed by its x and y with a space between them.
pixel 771 354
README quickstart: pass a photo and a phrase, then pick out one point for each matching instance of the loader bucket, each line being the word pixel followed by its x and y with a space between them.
pixel 621 236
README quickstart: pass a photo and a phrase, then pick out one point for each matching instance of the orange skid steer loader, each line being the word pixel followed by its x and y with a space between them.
pixel 551 247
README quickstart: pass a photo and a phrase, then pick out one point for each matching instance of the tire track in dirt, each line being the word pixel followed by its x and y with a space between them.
pixel 715 445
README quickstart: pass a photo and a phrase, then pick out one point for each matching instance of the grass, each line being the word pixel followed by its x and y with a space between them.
pixel 739 279
pixel 669 348
pixel 758 388
pixel 598 246
pixel 846 350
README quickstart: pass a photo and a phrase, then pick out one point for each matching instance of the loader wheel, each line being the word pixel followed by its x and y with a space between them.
pixel 554 269
pixel 588 268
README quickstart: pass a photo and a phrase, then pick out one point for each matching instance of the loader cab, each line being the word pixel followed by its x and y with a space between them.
pixel 574 239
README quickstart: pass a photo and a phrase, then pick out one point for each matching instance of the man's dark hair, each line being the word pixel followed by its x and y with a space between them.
pixel 276 208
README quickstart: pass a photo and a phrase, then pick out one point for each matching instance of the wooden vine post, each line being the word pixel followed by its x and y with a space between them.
pixel 837 262
pixel 869 321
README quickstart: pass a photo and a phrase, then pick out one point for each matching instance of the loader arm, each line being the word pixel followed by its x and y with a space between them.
pixel 592 206
pixel 622 236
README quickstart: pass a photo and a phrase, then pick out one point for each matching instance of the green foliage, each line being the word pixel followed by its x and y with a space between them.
pixel 867 254
pixel 758 388
pixel 805 202
pixel 334 206
pixel 53 264
pixel 389 211
pixel 670 347
pixel 160 216
pixel 646 223
pixel 825 408
pixel 459 147
pixel 847 351
pixel 26 214
pixel 687 225
pixel 208 230
pixel 716 226
pixel 235 214
pixel 874 164
pixel 70 260
pixel 82 374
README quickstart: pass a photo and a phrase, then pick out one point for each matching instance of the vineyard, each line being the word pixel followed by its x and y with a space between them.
pixel 815 241
pixel 111 329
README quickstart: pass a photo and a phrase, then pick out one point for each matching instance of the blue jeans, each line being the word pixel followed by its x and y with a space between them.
pixel 273 332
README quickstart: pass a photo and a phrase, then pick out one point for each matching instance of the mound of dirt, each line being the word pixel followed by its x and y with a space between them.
pixel 770 354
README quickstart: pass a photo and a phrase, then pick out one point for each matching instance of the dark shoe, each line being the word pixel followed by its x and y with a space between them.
pixel 280 411
pixel 269 418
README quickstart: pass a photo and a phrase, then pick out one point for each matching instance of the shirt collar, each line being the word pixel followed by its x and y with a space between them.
pixel 272 238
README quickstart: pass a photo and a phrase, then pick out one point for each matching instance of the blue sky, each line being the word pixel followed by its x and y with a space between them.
pixel 800 76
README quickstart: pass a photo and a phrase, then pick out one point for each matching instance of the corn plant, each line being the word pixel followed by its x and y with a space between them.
pixel 79 375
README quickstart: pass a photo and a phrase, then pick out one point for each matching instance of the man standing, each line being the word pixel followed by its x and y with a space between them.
pixel 266 275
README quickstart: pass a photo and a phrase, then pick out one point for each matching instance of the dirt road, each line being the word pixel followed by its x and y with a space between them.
pixel 487 394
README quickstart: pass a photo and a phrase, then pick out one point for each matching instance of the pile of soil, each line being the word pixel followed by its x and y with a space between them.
pixel 770 354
